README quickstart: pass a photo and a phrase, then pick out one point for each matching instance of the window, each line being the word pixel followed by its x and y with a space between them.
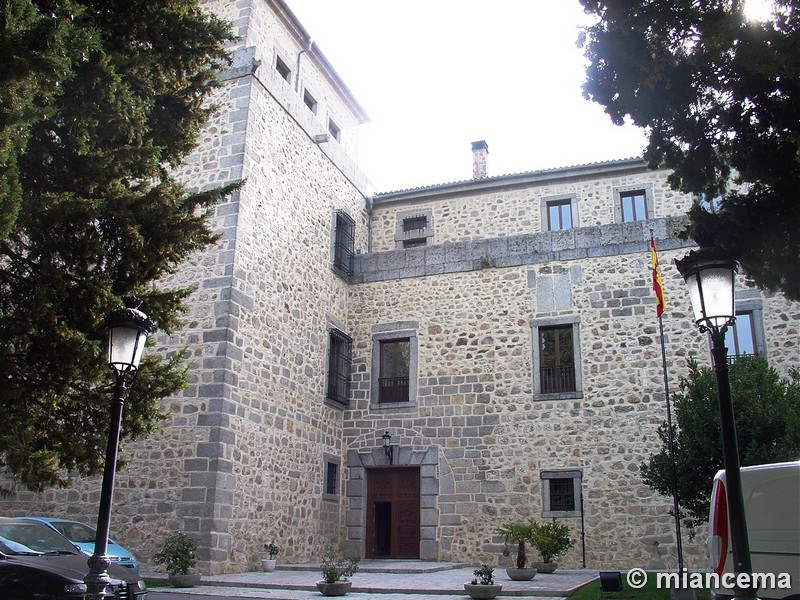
pixel 344 243
pixel 740 338
pixel 559 212
pixel 331 478
pixel 556 358
pixel 559 215
pixel 710 203
pixel 394 366
pixel 339 359
pixel 561 493
pixel 633 203
pixel 415 243
pixel 414 228
pixel 394 371
pixel 334 130
pixel 634 207
pixel 283 69
pixel 309 101
pixel 417 223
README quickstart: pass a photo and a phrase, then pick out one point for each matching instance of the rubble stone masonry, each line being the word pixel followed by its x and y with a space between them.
pixel 241 458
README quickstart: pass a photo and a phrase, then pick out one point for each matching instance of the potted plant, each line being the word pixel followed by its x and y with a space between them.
pixel 551 540
pixel 483 585
pixel 179 557
pixel 519 534
pixel 268 564
pixel 336 573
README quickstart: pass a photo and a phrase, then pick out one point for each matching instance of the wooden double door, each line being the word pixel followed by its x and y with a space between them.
pixel 393 512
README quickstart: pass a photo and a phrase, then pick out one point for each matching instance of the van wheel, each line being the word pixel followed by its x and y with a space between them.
pixel 18 595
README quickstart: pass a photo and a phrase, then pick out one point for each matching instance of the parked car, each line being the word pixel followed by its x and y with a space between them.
pixel 771 496
pixel 84 536
pixel 37 562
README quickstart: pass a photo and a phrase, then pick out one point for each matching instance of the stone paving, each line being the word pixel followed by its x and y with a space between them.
pixel 398 580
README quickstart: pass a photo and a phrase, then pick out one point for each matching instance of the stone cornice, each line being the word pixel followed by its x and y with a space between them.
pixel 518 250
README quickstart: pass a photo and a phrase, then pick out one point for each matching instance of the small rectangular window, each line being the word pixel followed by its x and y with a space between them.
pixel 561 493
pixel 334 130
pixel 393 378
pixel 634 205
pixel 332 478
pixel 283 69
pixel 559 215
pixel 415 223
pixel 344 243
pixel 415 243
pixel 309 101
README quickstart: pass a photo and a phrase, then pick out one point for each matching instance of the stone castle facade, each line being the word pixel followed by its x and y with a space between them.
pixel 501 330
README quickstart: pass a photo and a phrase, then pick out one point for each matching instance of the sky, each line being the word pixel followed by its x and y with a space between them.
pixel 436 75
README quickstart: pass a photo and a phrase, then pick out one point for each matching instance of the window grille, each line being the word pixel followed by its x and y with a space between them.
pixel 415 223
pixel 339 360
pixel 344 243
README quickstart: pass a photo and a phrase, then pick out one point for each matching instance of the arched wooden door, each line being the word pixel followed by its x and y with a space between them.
pixel 393 513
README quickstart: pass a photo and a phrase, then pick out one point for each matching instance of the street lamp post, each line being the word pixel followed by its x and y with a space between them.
pixel 709 275
pixel 128 329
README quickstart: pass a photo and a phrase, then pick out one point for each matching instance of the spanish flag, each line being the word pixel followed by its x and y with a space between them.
pixel 658 286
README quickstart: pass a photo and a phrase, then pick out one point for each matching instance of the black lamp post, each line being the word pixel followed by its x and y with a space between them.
pixel 709 274
pixel 388 449
pixel 128 329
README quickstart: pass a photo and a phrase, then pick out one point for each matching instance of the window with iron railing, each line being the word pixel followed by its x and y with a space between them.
pixel 556 359
pixel 344 243
pixel 339 360
pixel 393 379
pixel 740 337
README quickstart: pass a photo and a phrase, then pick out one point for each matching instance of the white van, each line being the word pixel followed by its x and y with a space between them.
pixel 772 508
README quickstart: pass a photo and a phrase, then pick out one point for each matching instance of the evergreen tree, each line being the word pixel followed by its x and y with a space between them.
pixel 767 413
pixel 99 101
pixel 719 97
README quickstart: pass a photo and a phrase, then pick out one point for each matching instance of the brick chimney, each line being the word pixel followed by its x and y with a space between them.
pixel 480 150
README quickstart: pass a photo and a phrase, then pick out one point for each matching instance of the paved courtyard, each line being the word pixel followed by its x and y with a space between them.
pixel 395 580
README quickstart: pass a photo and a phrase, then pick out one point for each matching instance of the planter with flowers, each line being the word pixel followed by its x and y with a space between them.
pixel 268 564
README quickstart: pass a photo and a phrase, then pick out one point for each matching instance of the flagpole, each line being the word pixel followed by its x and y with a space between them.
pixel 657 287
pixel 671 450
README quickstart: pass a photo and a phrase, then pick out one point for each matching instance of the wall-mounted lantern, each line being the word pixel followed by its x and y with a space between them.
pixel 388 449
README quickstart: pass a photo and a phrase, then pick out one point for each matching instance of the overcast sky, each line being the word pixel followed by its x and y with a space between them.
pixel 436 75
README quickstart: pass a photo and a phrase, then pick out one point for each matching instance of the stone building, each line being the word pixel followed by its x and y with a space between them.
pixel 500 329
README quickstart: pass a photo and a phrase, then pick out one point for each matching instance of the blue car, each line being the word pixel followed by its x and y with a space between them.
pixel 84 536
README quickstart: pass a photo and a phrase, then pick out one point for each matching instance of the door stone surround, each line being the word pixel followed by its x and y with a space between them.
pixel 356 493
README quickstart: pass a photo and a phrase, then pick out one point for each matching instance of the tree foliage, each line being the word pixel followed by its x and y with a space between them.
pixel 99 101
pixel 767 413
pixel 719 98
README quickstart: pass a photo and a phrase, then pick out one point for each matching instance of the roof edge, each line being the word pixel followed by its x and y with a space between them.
pixel 489 183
